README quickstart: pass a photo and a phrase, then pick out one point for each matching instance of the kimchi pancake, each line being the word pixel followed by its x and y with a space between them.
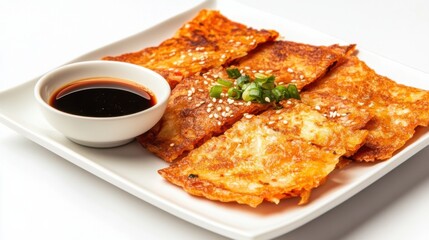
pixel 396 109
pixel 192 116
pixel 277 154
pixel 292 62
pixel 209 40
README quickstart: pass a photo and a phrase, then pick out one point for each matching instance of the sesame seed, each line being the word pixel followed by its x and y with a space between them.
pixel 301 76
pixel 227 109
pixel 278 111
pixel 267 99
pixel 171 144
pixel 271 122
pixel 219 123
pixel 214 99
pixel 289 102
pixel 219 108
pixel 317 107
pixel 216 115
pixel 268 71
pixel 209 110
pixel 210 105
pixel 293 80
pixel 202 62
pixel 189 98
pixel 290 70
pixel 220 101
pixel 332 108
pixel 211 115
pixel 285 121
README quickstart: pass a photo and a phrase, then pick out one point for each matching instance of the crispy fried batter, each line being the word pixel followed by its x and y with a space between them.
pixel 277 154
pixel 209 40
pixel 396 109
pixel 192 117
pixel 339 110
pixel 293 62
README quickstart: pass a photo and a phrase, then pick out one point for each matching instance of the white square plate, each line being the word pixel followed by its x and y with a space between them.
pixel 134 170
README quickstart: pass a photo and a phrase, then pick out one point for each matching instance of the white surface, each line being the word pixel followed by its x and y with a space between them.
pixel 43 196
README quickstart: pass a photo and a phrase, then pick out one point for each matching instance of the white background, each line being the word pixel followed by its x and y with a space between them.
pixel 42 196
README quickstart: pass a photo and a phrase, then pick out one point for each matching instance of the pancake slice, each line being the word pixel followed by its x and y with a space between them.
pixel 396 109
pixel 209 40
pixel 293 62
pixel 277 154
pixel 192 116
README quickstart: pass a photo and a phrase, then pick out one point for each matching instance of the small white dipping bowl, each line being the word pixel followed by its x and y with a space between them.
pixel 102 132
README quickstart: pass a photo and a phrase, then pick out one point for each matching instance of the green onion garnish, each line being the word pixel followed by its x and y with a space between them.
pixel 262 89
pixel 234 93
pixel 216 91
pixel 243 79
pixel 224 82
pixel 233 73
pixel 293 91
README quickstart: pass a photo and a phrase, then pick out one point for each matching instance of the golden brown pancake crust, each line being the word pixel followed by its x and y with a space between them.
pixel 396 109
pixel 277 154
pixel 192 117
pixel 209 40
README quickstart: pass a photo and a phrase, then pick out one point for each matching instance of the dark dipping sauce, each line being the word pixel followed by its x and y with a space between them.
pixel 102 97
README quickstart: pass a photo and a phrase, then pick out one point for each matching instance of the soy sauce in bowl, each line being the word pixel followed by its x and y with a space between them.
pixel 102 97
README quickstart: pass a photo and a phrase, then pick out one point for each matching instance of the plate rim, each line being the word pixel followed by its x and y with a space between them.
pixel 108 176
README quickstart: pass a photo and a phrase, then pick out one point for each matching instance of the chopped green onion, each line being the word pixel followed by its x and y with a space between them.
pixel 216 91
pixel 243 79
pixel 277 93
pixel 293 91
pixel 233 73
pixel 267 96
pixel 224 82
pixel 259 76
pixel 252 92
pixel 234 93
pixel 262 89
